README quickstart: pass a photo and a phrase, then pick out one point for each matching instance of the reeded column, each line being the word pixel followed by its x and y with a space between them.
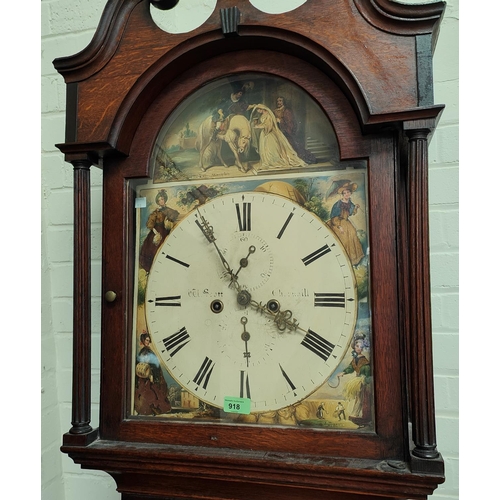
pixel 81 300
pixel 420 334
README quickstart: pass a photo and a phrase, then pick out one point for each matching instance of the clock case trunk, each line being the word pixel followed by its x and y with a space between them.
pixel 368 64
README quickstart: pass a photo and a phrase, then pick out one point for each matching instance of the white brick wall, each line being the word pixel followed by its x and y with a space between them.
pixel 443 198
pixel 67 27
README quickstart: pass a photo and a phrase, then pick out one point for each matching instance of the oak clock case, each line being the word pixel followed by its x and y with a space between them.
pixel 250 298
pixel 265 313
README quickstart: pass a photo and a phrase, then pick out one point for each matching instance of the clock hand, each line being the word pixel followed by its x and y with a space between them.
pixel 245 336
pixel 282 319
pixel 244 260
pixel 208 232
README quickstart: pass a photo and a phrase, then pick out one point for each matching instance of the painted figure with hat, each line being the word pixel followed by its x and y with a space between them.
pixel 236 104
pixel 159 223
pixel 358 388
pixel 340 222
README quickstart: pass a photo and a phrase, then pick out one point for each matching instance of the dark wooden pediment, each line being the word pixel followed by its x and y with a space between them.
pixel 131 60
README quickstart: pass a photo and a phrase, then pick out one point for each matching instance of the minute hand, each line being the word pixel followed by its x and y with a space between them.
pixel 208 232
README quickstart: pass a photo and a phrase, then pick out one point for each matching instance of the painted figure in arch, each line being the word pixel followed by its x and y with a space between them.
pixel 227 124
pixel 235 104
pixel 288 125
pixel 273 147
pixel 159 223
pixel 236 134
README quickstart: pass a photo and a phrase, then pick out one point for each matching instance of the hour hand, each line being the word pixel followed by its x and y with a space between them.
pixel 244 260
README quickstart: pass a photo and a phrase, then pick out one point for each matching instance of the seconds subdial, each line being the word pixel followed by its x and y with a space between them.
pixel 259 265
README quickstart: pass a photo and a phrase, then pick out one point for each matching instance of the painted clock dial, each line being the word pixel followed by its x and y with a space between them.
pixel 251 296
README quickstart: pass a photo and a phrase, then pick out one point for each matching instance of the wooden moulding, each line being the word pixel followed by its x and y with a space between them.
pixel 376 39
pixel 206 473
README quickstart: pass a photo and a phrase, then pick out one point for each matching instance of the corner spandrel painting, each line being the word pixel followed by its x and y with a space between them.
pixel 282 143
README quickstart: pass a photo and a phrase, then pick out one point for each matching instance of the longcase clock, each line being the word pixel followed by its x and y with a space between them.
pixel 266 325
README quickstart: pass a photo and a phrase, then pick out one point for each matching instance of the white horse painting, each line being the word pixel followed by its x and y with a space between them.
pixel 237 134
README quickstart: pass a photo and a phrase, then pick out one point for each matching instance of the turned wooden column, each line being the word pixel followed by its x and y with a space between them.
pixel 80 420
pixel 420 334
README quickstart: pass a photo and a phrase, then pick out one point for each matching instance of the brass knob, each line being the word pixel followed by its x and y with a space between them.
pixel 110 296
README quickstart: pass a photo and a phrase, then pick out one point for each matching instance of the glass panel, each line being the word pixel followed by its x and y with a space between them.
pixel 252 301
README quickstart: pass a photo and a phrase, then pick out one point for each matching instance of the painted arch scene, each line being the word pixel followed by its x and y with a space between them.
pixel 245 125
